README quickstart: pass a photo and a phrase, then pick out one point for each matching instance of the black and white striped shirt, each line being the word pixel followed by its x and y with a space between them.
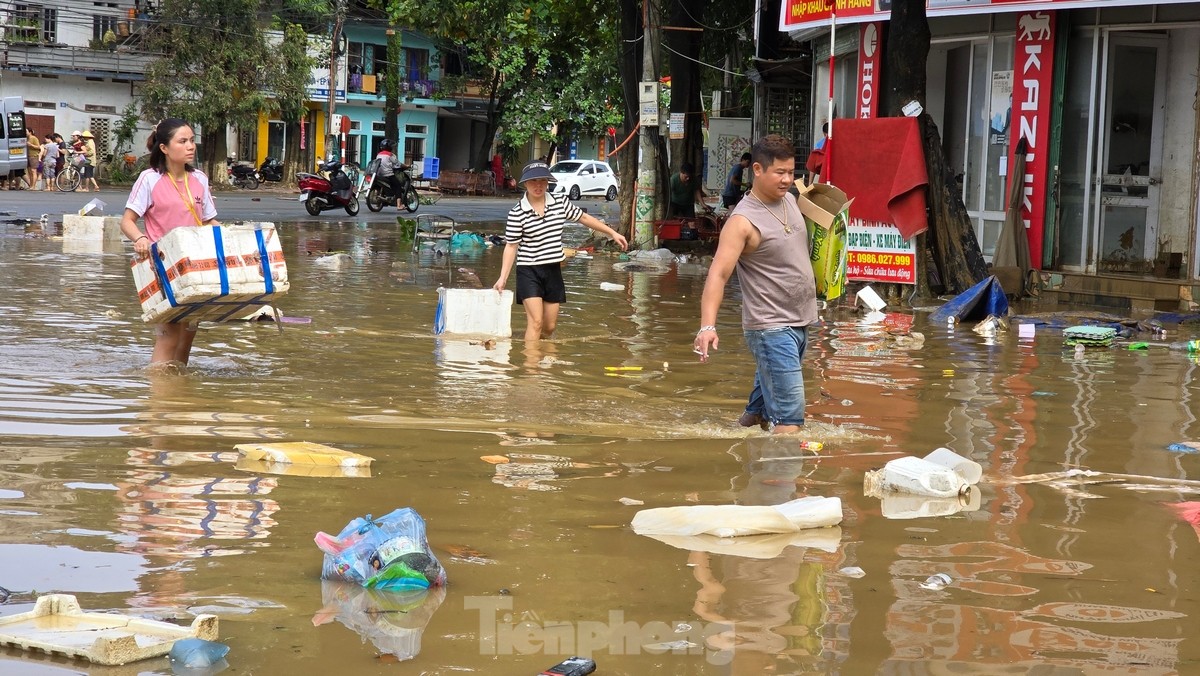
pixel 540 237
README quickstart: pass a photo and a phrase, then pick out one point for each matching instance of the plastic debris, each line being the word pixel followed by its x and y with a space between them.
pixel 852 571
pixel 623 368
pixel 941 474
pixel 631 501
pixel 609 286
pixel 937 582
pixel 389 553
pixel 59 626
pixel 196 653
pixel 393 622
pixel 1089 336
pixel 572 666
pixel 1185 447
pixel 868 297
pixel 739 520
pixel 303 453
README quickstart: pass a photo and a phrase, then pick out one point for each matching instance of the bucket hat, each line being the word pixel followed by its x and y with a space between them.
pixel 534 170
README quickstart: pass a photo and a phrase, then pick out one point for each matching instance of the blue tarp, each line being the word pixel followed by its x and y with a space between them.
pixel 976 303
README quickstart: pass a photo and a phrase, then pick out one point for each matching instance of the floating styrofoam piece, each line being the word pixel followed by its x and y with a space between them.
pixel 737 520
pixel 57 625
pixel 474 312
pixel 868 297
pixel 212 272
pixel 299 469
pixel 91 228
pixel 303 453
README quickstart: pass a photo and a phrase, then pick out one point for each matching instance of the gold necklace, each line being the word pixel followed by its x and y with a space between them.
pixel 787 229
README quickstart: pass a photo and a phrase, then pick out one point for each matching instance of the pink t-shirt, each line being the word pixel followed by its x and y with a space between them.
pixel 163 202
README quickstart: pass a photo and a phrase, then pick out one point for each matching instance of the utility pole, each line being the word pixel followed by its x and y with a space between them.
pixel 645 199
pixel 334 48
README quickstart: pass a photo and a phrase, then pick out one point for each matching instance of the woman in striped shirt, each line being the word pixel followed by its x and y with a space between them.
pixel 535 245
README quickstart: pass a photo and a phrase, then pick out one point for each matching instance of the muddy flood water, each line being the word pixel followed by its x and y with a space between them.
pixel 123 487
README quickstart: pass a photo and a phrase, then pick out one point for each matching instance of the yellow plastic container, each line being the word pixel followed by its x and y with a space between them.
pixel 303 453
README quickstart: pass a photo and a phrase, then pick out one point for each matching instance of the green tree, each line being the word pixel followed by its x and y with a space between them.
pixel 212 72
pixel 526 55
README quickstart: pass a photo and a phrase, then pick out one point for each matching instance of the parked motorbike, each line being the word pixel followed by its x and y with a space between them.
pixel 378 190
pixel 322 194
pixel 271 171
pixel 241 174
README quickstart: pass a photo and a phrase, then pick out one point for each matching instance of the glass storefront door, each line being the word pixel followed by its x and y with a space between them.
pixel 1130 172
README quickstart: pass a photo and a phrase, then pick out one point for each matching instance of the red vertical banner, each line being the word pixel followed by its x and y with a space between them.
pixel 1033 88
pixel 870 62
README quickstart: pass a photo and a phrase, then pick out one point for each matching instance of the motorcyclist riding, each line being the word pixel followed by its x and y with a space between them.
pixel 388 164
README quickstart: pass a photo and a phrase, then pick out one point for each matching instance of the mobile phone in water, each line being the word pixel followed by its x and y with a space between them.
pixel 573 666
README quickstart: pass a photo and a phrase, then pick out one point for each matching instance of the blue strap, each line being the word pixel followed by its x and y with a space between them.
pixel 221 269
pixel 265 261
pixel 439 317
pixel 162 275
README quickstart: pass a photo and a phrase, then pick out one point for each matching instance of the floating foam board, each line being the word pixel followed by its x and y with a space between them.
pixel 59 626
pixel 1093 336
pixel 294 469
pixel 210 272
pixel 302 453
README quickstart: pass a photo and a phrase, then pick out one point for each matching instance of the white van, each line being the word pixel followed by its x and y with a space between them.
pixel 12 136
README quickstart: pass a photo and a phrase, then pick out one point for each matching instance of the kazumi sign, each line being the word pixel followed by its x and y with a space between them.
pixel 798 14
pixel 1033 86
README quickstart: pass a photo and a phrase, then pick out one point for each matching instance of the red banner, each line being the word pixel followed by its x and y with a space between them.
pixel 1033 88
pixel 801 14
pixel 870 63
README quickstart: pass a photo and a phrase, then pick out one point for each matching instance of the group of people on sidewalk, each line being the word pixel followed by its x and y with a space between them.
pixel 47 157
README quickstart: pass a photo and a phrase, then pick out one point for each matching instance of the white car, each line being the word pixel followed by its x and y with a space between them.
pixel 576 178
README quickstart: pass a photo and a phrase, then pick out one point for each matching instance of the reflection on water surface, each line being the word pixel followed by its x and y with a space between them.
pixel 122 486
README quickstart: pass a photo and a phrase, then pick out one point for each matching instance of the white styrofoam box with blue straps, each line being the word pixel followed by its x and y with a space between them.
pixel 474 312
pixel 211 273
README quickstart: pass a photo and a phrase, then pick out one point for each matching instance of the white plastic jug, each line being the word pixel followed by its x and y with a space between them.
pixel 968 469
pixel 920 477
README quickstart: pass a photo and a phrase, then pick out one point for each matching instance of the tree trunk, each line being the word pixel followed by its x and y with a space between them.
pixel 291 151
pixel 483 155
pixel 685 84
pixel 391 105
pixel 951 238
pixel 630 68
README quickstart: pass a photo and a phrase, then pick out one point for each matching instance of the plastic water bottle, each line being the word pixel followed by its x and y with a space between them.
pixel 1192 346
pixel 968 469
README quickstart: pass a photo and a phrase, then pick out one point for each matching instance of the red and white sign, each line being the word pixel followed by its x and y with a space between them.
pixel 1033 87
pixel 877 252
pixel 870 62
pixel 800 14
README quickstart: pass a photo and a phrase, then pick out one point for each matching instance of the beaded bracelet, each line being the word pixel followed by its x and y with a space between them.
pixel 706 328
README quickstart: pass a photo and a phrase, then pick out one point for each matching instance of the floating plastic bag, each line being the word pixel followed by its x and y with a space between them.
pixel 196 653
pixel 389 553
pixel 466 240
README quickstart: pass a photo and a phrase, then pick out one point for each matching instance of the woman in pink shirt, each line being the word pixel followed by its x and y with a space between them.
pixel 170 194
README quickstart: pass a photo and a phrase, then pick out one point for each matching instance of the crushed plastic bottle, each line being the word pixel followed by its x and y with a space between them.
pixel 936 582
pixel 196 653
pixel 811 445
pixel 1186 346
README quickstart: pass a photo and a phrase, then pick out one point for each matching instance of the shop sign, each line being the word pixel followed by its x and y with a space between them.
pixel 802 14
pixel 870 60
pixel 1032 90
pixel 877 252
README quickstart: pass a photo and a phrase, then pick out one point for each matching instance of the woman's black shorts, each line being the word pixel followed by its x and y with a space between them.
pixel 543 281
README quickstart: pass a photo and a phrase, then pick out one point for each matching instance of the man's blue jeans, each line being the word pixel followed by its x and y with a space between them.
pixel 778 394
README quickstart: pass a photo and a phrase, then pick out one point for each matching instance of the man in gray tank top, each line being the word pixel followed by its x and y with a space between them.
pixel 766 242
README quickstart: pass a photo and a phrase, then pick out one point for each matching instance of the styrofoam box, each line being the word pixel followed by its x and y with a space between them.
pixel 91 228
pixel 474 312
pixel 203 287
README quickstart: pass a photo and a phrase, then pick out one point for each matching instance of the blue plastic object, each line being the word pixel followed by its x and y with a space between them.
pixel 432 169
pixel 196 653
pixel 389 553
pixel 979 301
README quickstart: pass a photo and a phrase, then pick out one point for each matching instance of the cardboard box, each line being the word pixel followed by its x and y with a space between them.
pixel 826 212
pixel 211 272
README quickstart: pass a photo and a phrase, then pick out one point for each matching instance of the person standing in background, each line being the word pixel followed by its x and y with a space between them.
pixel 734 188
pixel 685 192
pixel 33 157
pixel 50 158
pixel 89 161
